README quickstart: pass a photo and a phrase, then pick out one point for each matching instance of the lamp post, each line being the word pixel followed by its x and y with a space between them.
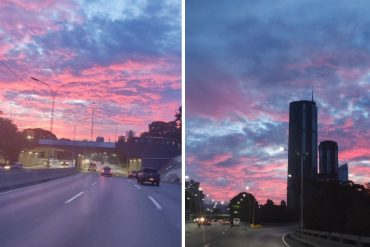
pixel 302 156
pixel 53 95
pixel 92 121
pixel 75 122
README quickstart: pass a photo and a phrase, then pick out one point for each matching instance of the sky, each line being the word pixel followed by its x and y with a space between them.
pixel 245 62
pixel 121 57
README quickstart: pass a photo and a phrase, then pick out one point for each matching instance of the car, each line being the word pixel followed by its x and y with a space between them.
pixel 203 221
pixel 150 175
pixel 14 166
pixel 92 167
pixel 133 174
pixel 65 163
pixel 225 222
pixel 236 222
pixel 107 171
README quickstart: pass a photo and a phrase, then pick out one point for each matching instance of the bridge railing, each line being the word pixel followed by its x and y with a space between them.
pixel 349 239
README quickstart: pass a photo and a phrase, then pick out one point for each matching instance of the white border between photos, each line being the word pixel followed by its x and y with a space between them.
pixel 183 162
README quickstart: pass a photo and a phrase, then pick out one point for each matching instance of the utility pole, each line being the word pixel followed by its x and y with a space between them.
pixel 92 121
pixel 116 133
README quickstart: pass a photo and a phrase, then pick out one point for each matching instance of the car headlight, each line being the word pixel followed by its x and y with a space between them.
pixel 202 219
pixel 6 167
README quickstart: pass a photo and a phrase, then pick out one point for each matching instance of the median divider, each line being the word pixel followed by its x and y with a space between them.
pixel 16 179
pixel 334 238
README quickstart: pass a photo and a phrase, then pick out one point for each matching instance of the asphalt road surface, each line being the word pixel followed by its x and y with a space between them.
pixel 218 235
pixel 86 209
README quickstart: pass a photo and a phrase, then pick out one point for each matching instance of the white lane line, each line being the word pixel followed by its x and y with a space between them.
pixel 159 207
pixel 93 183
pixel 137 186
pixel 207 245
pixel 68 201
pixel 283 238
pixel 10 191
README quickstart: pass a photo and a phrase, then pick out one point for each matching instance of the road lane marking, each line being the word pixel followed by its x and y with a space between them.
pixel 159 207
pixel 207 245
pixel 68 201
pixel 137 186
pixel 93 183
pixel 10 191
pixel 283 238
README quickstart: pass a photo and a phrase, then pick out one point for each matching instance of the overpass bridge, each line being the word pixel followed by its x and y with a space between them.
pixel 148 151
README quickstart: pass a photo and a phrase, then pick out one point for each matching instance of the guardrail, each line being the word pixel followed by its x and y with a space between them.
pixel 349 239
pixel 24 177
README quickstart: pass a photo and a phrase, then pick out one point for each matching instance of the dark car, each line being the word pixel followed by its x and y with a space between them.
pixel 92 167
pixel 65 163
pixel 149 175
pixel 133 174
pixel 202 221
pixel 14 166
pixel 107 171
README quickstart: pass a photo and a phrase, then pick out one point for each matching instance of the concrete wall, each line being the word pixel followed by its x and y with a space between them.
pixel 14 179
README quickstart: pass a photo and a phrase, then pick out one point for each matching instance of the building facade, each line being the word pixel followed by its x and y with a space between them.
pixel 302 148
pixel 328 160
pixel 343 173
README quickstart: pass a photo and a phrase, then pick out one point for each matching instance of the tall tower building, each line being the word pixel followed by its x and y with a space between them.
pixel 328 162
pixel 302 149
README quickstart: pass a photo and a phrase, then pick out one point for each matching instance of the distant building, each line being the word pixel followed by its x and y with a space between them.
pixel 100 139
pixel 343 173
pixel 130 134
pixel 328 162
pixel 302 148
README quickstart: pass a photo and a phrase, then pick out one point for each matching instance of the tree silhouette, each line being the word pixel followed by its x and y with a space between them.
pixel 10 141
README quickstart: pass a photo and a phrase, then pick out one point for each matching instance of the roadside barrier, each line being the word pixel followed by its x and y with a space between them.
pixel 24 177
pixel 337 237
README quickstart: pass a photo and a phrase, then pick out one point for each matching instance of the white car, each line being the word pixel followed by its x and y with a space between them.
pixel 236 221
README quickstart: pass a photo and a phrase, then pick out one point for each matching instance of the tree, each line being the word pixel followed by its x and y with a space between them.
pixel 338 207
pixel 38 133
pixel 270 203
pixel 178 121
pixel 170 129
pixel 31 136
pixel 178 118
pixel 161 129
pixel 10 139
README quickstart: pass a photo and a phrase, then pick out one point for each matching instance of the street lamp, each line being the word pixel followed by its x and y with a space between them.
pixel 53 95
pixel 92 121
pixel 302 156
pixel 75 122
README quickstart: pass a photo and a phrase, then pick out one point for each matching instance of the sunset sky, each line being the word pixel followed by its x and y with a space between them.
pixel 124 55
pixel 245 61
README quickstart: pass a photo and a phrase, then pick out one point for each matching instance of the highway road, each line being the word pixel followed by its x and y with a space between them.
pixel 86 209
pixel 218 235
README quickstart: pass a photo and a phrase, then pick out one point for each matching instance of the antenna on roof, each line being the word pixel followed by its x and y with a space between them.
pixel 312 94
